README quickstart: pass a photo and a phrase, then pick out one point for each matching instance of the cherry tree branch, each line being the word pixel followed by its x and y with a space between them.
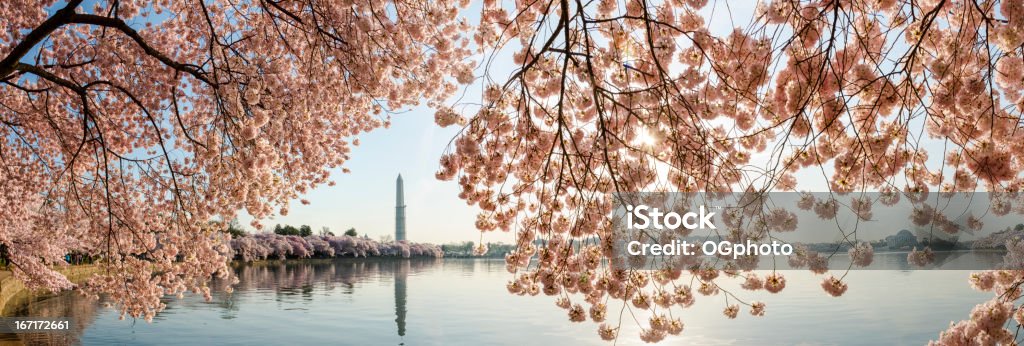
pixel 60 18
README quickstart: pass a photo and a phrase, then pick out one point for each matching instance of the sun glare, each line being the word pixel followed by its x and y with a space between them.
pixel 644 137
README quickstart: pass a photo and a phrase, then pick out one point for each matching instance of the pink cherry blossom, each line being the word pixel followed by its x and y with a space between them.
pixel 757 308
pixel 131 129
pixel 833 286
pixel 774 282
pixel 862 254
pixel 731 311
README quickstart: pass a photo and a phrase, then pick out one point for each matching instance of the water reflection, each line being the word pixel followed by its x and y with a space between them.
pixel 401 275
pixel 83 312
pixel 290 278
pixel 463 301
pixel 299 281
pixel 292 287
pixel 944 260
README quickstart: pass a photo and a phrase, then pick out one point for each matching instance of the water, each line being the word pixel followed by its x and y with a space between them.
pixel 464 301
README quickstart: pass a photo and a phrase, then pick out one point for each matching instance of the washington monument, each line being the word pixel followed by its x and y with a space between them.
pixel 399 210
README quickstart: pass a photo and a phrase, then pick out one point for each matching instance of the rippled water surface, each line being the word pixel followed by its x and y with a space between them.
pixel 464 301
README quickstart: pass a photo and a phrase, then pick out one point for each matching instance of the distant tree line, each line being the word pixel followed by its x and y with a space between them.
pixel 465 248
pixel 302 231
pixel 999 239
pixel 234 227
pixel 305 231
pixel 276 246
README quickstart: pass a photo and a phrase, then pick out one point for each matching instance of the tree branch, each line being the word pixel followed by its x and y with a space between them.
pixel 50 77
pixel 120 25
pixel 7 66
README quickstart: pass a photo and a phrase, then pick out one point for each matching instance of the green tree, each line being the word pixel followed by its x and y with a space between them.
pixel 235 229
pixel 286 230
pixel 465 247
pixel 305 231
pixel 326 231
pixel 351 232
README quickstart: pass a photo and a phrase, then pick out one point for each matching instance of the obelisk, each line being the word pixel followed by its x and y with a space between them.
pixel 399 210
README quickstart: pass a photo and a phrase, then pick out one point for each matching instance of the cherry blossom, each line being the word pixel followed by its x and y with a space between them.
pixel 757 308
pixel 833 286
pixel 862 255
pixel 130 128
pixel 131 142
pixel 731 311
pixel 615 97
pixel 274 246
pixel 921 258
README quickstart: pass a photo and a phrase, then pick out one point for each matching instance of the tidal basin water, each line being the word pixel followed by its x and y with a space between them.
pixel 464 301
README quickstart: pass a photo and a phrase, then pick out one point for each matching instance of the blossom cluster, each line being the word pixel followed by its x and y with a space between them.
pixel 614 97
pixel 127 126
pixel 275 246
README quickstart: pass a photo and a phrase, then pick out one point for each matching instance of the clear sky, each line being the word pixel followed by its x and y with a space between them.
pixel 365 198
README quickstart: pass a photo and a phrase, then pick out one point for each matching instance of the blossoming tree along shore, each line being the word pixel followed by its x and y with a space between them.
pixel 275 246
pixel 127 126
pixel 900 97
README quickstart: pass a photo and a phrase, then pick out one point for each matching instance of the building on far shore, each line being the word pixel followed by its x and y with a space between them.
pixel 902 239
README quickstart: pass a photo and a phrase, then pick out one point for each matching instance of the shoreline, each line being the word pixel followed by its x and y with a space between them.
pixel 237 263
pixel 14 295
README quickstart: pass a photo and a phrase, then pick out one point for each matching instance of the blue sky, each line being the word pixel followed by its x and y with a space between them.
pixel 365 198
